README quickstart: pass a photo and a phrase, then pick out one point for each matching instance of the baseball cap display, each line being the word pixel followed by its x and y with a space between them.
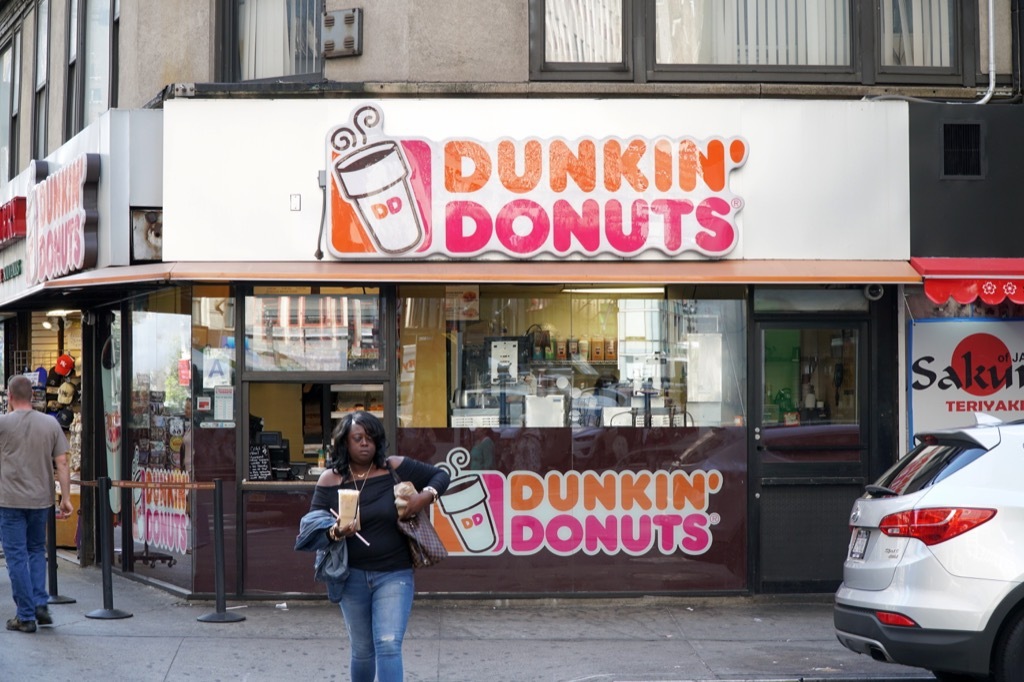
pixel 66 393
pixel 65 363
pixel 53 381
pixel 65 417
pixel 42 374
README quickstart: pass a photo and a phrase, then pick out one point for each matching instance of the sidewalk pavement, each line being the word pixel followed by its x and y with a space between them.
pixel 778 638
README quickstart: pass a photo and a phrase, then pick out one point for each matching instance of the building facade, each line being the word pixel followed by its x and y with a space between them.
pixel 643 275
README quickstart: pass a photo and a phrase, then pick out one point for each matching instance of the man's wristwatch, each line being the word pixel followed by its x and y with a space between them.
pixel 432 490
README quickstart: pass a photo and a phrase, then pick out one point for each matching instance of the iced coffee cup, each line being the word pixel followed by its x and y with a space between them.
pixel 376 178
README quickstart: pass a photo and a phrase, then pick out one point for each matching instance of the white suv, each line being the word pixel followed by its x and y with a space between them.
pixel 933 575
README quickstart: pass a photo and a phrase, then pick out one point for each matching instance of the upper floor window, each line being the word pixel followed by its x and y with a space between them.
pixel 275 38
pixel 97 67
pixel 6 96
pixel 754 40
pixel 72 84
pixel 91 78
pixel 40 103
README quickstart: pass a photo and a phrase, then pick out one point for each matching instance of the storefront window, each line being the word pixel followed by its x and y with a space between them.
pixel 590 433
pixel 179 424
pixel 209 443
pixel 312 329
pixel 541 358
pixel 160 390
pixel 292 423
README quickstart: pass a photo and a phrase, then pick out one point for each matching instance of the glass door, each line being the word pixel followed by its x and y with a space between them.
pixel 809 454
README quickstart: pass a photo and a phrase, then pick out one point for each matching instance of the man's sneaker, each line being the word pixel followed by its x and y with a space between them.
pixel 43 616
pixel 21 625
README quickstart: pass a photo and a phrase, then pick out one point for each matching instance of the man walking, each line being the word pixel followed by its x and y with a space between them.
pixel 32 445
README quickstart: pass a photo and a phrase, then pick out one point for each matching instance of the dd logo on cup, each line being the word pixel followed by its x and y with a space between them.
pixel 374 176
pixel 465 503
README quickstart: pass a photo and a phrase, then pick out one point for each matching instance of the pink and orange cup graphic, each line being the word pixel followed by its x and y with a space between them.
pixel 372 173
pixel 465 503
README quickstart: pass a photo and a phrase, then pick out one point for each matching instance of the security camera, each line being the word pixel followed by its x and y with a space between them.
pixel 873 292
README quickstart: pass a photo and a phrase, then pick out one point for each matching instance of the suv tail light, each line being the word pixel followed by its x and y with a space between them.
pixel 896 619
pixel 932 526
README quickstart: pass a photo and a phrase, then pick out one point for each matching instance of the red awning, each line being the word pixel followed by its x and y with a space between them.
pixel 965 279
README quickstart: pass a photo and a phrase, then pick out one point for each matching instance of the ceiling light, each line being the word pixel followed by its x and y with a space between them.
pixel 47 324
pixel 616 290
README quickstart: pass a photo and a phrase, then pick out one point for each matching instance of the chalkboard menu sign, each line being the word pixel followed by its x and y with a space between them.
pixel 259 463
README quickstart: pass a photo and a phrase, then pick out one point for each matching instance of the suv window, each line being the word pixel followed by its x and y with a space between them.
pixel 928 463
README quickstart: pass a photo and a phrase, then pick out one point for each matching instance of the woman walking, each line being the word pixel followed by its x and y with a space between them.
pixel 377 595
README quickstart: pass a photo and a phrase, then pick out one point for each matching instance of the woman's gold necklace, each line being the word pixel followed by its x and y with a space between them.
pixel 362 475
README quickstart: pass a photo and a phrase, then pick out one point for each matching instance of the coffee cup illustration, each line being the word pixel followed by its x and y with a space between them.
pixel 465 503
pixel 373 174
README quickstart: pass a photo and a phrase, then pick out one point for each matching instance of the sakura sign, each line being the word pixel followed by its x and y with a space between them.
pixel 961 367
pixel 519 198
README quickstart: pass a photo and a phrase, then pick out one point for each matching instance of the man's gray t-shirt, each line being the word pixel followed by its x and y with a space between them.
pixel 29 442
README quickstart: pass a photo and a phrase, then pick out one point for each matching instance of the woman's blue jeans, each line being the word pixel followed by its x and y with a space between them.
pixel 376 606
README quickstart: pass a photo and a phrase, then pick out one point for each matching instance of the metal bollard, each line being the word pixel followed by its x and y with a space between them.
pixel 106 552
pixel 220 615
pixel 51 561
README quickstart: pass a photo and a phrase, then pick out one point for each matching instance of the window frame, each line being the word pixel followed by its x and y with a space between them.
pixel 640 66
pixel 83 58
pixel 72 72
pixel 7 117
pixel 604 71
pixel 40 83
pixel 15 121
pixel 966 42
pixel 227 64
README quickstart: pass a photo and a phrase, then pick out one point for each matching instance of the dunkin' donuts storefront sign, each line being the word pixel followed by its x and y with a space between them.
pixel 62 220
pixel 669 514
pixel 565 513
pixel 520 198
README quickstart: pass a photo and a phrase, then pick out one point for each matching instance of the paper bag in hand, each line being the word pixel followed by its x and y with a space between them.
pixel 403 491
pixel 348 507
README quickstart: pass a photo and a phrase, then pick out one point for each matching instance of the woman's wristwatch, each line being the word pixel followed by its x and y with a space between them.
pixel 432 490
pixel 332 534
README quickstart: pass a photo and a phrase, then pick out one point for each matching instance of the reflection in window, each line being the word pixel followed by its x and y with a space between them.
pixel 277 38
pixel 96 96
pixel 583 31
pixel 810 376
pixel 158 402
pixel 479 357
pixel 41 98
pixel 735 32
pixel 6 94
pixel 299 331
pixel 917 33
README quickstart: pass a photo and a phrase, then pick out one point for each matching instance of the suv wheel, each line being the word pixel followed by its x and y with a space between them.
pixel 1008 657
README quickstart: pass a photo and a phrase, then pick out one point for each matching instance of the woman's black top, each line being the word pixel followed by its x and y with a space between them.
pixel 378 516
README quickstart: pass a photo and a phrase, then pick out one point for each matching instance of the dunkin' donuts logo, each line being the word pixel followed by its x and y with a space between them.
pixel 589 512
pixel 460 198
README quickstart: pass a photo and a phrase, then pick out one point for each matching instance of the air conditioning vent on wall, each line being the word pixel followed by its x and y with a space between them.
pixel 961 150
pixel 342 33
